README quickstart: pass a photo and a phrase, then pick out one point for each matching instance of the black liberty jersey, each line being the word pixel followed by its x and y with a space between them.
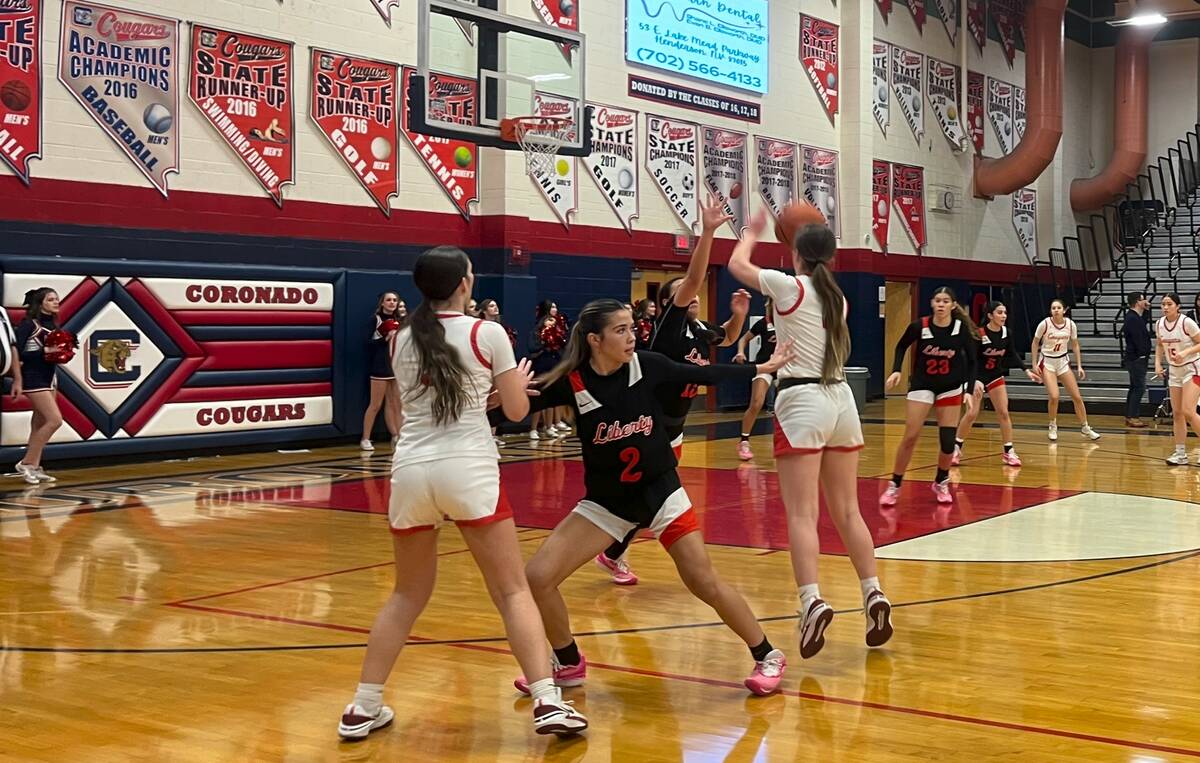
pixel 996 355
pixel 683 341
pixel 943 356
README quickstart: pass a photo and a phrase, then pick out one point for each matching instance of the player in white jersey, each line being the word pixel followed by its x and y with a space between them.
pixel 1054 340
pixel 446 465
pixel 1178 341
pixel 817 431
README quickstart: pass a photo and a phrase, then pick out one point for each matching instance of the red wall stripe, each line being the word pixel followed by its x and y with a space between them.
pixel 161 395
pixel 162 318
pixel 219 394
pixel 253 317
pixel 249 355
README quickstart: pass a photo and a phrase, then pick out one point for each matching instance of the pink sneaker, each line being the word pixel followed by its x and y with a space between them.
pixel 767 674
pixel 1011 459
pixel 564 676
pixel 942 491
pixel 957 457
pixel 744 451
pixel 890 495
pixel 621 574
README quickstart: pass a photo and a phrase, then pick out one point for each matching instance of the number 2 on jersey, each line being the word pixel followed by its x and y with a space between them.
pixel 630 457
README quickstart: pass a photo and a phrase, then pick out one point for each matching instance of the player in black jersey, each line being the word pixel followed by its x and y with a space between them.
pixel 631 480
pixel 996 357
pixel 943 366
pixel 764 329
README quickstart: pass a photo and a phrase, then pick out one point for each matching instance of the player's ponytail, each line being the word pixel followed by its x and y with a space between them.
pixel 815 248
pixel 438 274
pixel 592 320
pixel 958 313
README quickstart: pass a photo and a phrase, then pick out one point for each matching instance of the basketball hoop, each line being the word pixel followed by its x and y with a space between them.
pixel 539 137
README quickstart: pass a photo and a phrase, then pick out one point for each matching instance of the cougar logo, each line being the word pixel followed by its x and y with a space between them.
pixel 108 364
pixel 112 355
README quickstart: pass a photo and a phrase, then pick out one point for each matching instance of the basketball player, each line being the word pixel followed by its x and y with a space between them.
pixel 1055 337
pixel 1178 340
pixel 764 329
pixel 631 481
pixel 943 366
pixel 40 379
pixel 446 465
pixel 996 357
pixel 817 431
pixel 390 313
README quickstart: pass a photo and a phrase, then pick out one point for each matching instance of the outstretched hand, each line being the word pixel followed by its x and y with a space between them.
pixel 712 213
pixel 739 303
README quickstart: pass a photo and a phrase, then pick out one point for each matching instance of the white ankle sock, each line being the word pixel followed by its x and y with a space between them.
pixel 369 697
pixel 1180 449
pixel 868 585
pixel 808 592
pixel 543 689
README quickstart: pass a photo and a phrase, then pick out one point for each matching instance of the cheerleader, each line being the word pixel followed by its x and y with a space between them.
pixel 489 310
pixel 390 313
pixel 1179 340
pixel 545 351
pixel 644 315
pixel 764 329
pixel 996 356
pixel 39 379
pixel 1056 337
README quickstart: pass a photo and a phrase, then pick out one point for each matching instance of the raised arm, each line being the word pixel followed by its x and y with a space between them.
pixel 712 216
pixel 739 307
pixel 740 266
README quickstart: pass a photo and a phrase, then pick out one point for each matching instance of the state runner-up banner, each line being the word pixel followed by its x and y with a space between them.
pixel 975 109
pixel 1024 213
pixel 942 91
pixel 613 161
pixel 819 54
pixel 908 196
pixel 454 164
pixel 776 163
pixel 725 174
pixel 999 108
pixel 820 183
pixel 977 21
pixel 353 104
pixel 122 68
pixel 881 201
pixel 242 85
pixel 881 100
pixel 671 162
pixel 557 185
pixel 907 68
pixel 20 84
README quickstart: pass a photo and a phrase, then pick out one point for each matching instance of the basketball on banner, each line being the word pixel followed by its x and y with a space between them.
pixel 20 84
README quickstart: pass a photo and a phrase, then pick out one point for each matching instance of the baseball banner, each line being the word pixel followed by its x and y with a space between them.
pixel 20 84
pixel 947 11
pixel 942 91
pixel 975 109
pixel 820 182
pixel 908 196
pixel 881 201
pixel 1024 212
pixel 885 8
pixel 917 7
pixel 671 161
pixel 352 101
pixel 563 14
pixel 881 101
pixel 819 54
pixel 1007 16
pixel 242 85
pixel 454 164
pixel 613 161
pixel 907 67
pixel 999 108
pixel 558 186
pixel 977 21
pixel 1018 112
pixel 776 163
pixel 122 67
pixel 725 174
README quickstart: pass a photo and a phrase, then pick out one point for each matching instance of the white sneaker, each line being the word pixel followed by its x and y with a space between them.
pixel 356 723
pixel 813 623
pixel 557 716
pixel 533 435
pixel 28 473
pixel 561 428
pixel 890 495
pixel 1089 433
pixel 879 618
pixel 1178 458
pixel 1053 433
pixel 366 445
pixel 40 473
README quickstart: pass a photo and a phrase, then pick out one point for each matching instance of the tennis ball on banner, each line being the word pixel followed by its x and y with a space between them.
pixel 157 118
pixel 562 167
pixel 567 7
pixel 625 178
pixel 463 157
pixel 381 149
pixel 951 113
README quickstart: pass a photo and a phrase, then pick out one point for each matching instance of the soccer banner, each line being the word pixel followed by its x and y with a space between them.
pixel 1018 112
pixel 943 90
pixel 820 182
pixel 881 201
pixel 819 54
pixel 975 109
pixel 977 21
pixel 947 11
pixel 776 164
pixel 242 85
pixel 671 161
pixel 881 100
pixel 563 14
pixel 454 164
pixel 917 7
pixel 908 196
pixel 558 186
pixel 20 84
pixel 1007 16
pixel 999 108
pixel 353 104
pixel 122 67
pixel 613 161
pixel 907 67
pixel 885 8
pixel 1024 213
pixel 725 174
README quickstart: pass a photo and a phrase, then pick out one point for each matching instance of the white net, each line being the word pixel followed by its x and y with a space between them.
pixel 541 138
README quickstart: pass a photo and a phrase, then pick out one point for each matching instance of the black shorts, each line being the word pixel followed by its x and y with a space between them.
pixel 381 363
pixel 38 377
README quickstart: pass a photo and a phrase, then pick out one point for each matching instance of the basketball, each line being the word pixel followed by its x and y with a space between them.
pixel 15 95
pixel 736 191
pixel 794 217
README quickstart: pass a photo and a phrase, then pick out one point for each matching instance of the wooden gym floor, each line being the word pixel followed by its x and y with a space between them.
pixel 215 609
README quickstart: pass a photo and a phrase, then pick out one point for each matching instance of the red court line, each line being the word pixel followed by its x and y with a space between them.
pixel 269 618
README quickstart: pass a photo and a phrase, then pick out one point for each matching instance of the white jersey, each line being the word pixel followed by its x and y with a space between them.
pixel 1177 336
pixel 484 350
pixel 1056 337
pixel 798 319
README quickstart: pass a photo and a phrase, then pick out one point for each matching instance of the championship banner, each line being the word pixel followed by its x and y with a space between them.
pixel 20 84
pixel 122 68
pixel 881 101
pixel 385 10
pixel 776 164
pixel 977 21
pixel 671 161
pixel 975 109
pixel 906 83
pixel 917 7
pixel 881 201
pixel 943 90
pixel 999 108
pixel 908 196
pixel 242 85
pixel 819 54
pixel 558 186
pixel 1007 16
pixel 454 164
pixel 820 182
pixel 725 174
pixel 563 14
pixel 947 11
pixel 613 161
pixel 1024 212
pixel 885 8
pixel 352 101
pixel 1019 112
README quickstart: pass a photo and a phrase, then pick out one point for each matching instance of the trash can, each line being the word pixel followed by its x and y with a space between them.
pixel 857 377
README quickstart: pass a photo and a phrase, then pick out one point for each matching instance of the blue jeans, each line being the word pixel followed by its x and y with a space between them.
pixel 1137 386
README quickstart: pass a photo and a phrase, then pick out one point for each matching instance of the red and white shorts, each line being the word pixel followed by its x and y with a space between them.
pixel 1179 375
pixel 946 399
pixel 464 489
pixel 674 519
pixel 1055 366
pixel 994 383
pixel 810 418
pixel 677 446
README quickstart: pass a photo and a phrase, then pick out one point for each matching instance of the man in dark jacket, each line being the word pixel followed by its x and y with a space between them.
pixel 1137 356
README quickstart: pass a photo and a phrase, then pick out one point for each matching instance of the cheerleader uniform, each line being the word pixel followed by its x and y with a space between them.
pixel 381 360
pixel 38 375
pixel 996 357
pixel 943 361
pixel 545 352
